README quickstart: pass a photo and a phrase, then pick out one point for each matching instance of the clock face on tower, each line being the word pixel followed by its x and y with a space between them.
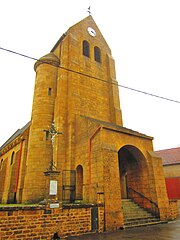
pixel 91 31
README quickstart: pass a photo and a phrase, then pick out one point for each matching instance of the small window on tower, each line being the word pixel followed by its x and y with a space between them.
pixel 1 164
pixel 49 91
pixel 86 48
pixel 97 54
pixel 12 157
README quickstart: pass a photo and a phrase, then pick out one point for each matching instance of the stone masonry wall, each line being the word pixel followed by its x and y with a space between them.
pixel 40 222
pixel 173 204
pixel 171 170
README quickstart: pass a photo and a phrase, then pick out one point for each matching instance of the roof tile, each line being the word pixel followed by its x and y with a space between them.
pixel 170 156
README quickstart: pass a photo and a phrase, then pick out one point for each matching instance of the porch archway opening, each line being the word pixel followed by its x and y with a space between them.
pixel 133 170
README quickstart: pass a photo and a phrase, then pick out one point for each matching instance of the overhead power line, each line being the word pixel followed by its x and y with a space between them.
pixel 86 75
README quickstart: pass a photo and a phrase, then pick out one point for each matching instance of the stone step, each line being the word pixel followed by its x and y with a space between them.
pixel 132 217
pixel 129 204
pixel 130 220
pixel 137 213
pixel 131 207
pixel 142 224
pixel 135 216
pixel 135 210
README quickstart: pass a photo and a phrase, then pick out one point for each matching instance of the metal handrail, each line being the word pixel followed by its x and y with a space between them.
pixel 143 201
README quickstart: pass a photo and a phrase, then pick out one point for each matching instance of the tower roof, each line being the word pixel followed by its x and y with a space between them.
pixel 50 58
pixel 88 22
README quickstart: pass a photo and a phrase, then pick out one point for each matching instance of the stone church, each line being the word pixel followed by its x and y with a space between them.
pixel 76 135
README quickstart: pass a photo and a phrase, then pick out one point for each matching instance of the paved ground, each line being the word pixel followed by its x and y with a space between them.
pixel 166 231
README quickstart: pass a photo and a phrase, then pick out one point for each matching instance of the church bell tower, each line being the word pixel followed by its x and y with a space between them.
pixel 76 79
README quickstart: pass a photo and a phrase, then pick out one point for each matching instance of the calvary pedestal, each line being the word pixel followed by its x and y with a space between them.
pixel 51 186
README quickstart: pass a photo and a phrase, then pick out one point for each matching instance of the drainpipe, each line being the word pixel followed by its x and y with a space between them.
pixel 89 154
pixel 18 169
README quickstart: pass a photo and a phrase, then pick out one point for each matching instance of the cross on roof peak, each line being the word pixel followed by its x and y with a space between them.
pixel 89 10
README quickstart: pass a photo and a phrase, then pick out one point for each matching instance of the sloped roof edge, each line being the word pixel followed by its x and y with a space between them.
pixel 170 156
pixel 119 128
pixel 15 135
pixel 64 34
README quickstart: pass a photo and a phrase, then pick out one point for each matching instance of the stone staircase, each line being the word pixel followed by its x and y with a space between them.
pixel 135 216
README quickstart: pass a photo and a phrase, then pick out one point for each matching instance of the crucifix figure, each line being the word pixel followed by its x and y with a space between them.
pixel 53 133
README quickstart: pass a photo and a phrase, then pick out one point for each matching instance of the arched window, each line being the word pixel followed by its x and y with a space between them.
pixel 86 48
pixel 12 157
pixel 79 182
pixel 97 54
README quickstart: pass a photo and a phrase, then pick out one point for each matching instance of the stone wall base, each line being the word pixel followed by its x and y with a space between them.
pixel 42 222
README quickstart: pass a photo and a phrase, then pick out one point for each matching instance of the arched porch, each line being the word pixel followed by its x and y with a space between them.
pixel 133 171
pixel 134 178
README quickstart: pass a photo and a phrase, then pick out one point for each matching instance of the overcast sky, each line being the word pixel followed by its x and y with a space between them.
pixel 144 36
